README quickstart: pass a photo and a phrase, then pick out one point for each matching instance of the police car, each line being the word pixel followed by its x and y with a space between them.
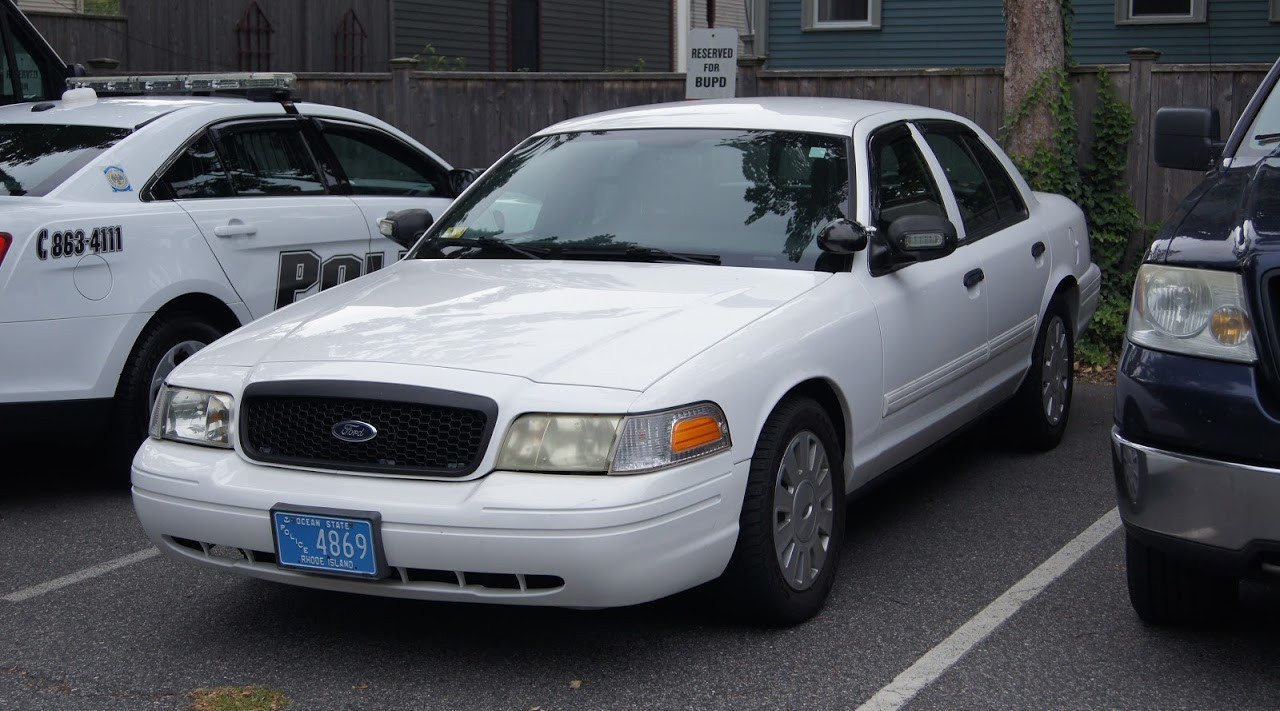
pixel 139 227
pixel 648 348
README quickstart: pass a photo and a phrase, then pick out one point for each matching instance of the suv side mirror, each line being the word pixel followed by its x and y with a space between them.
pixel 405 226
pixel 460 178
pixel 1187 137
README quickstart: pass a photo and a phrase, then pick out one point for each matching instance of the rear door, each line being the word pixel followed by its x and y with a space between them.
pixel 269 210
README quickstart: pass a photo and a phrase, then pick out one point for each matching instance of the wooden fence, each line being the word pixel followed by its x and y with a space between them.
pixel 473 118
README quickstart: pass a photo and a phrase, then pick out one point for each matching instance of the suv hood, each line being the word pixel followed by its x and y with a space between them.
pixel 604 324
pixel 1231 215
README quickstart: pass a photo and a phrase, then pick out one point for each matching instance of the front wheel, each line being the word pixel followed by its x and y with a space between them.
pixel 1043 401
pixel 791 528
pixel 164 344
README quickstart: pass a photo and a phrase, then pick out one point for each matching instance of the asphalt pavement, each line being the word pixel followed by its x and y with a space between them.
pixel 970 581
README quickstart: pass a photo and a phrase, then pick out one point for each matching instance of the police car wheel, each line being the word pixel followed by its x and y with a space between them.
pixel 164 344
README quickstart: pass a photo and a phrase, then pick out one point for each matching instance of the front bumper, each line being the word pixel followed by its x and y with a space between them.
pixel 532 539
pixel 1214 513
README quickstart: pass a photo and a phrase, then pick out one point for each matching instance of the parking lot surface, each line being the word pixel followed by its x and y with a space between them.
pixel 981 577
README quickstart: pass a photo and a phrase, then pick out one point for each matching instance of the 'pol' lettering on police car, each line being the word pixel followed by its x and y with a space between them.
pixel 77 243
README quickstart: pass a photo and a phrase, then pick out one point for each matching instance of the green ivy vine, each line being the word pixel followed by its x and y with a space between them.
pixel 1098 187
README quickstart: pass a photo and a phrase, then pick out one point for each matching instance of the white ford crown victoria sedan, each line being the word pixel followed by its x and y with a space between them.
pixel 647 349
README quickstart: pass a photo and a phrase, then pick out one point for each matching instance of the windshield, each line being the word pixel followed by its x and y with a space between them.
pixel 1264 132
pixel 743 198
pixel 36 158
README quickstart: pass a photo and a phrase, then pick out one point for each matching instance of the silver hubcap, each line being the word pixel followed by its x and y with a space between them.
pixel 168 362
pixel 1055 371
pixel 803 510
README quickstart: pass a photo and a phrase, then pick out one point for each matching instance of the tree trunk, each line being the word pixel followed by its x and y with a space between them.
pixel 1034 45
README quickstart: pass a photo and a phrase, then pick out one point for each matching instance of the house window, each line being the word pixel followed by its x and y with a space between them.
pixel 840 15
pixel 1150 12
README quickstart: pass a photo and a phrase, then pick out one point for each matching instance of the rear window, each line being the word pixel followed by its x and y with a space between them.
pixel 36 158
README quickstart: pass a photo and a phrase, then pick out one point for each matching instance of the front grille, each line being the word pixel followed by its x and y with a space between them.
pixel 420 431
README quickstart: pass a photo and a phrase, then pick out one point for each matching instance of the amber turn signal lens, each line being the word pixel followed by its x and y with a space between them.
pixel 694 432
pixel 1229 326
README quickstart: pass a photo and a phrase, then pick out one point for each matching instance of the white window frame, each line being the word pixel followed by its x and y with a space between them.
pixel 809 18
pixel 1199 13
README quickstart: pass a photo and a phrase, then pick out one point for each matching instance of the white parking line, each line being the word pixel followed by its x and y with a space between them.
pixel 938 660
pixel 78 576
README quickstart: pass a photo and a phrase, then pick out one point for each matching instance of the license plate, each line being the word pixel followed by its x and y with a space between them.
pixel 330 541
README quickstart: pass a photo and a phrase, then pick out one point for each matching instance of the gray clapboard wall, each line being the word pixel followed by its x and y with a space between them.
pixel 575 35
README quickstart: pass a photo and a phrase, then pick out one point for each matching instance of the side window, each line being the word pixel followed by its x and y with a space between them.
pixel 30 71
pixel 196 173
pixel 985 193
pixel 268 159
pixel 378 163
pixel 901 181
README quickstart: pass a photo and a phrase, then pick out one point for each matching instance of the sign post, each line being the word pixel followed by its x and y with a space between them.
pixel 713 64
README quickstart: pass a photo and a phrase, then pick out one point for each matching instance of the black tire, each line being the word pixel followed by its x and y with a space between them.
pixel 755 577
pixel 1042 405
pixel 172 338
pixel 1164 590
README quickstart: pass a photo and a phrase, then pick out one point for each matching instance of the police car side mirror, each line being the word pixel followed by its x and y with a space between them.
pixel 405 226
pixel 460 178
pixel 842 237
pixel 919 238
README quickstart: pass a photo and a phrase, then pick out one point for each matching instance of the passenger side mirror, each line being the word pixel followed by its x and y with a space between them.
pixel 460 178
pixel 842 237
pixel 1187 137
pixel 405 226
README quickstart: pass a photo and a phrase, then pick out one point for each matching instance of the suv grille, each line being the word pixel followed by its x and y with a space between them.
pixel 420 431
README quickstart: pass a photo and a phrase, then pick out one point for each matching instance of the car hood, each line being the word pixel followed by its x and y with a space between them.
pixel 604 324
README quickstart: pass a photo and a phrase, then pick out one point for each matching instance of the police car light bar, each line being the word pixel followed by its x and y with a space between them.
pixel 185 83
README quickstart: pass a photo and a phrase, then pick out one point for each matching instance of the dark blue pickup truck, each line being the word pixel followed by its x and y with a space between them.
pixel 1196 443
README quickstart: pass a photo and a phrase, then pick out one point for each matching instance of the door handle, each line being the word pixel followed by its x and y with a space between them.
pixel 1037 249
pixel 973 278
pixel 235 228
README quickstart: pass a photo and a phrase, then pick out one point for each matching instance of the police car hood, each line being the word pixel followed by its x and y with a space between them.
pixel 605 324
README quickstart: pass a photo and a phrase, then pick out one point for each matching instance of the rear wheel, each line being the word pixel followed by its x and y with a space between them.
pixel 792 523
pixel 1164 590
pixel 164 344
pixel 1043 401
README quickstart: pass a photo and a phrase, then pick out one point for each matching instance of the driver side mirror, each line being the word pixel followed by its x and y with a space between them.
pixel 404 227
pixel 460 178
pixel 842 237
pixel 913 238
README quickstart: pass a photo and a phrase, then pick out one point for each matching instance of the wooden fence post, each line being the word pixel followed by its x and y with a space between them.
pixel 398 107
pixel 1141 98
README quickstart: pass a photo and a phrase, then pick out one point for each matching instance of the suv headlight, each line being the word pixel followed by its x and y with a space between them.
pixel 1195 312
pixel 613 444
pixel 194 416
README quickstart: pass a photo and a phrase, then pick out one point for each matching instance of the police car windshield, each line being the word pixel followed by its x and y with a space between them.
pixel 36 158
pixel 734 197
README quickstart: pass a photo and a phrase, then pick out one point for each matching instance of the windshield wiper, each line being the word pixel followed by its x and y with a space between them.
pixel 468 245
pixel 635 253
pixel 1265 138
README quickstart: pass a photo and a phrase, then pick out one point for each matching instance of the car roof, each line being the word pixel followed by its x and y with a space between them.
pixel 782 113
pixel 113 111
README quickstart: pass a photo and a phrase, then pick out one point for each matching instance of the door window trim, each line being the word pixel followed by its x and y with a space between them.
pixel 943 126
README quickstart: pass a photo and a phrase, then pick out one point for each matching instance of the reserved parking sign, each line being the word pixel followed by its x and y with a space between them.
pixel 713 64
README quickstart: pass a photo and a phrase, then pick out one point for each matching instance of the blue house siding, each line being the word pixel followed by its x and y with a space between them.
pixel 913 33
pixel 971 33
pixel 1236 31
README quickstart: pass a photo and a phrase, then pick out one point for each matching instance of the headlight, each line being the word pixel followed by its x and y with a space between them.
pixel 613 444
pixel 195 416
pixel 1195 312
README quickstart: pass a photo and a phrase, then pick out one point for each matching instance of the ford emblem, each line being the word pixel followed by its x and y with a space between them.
pixel 354 431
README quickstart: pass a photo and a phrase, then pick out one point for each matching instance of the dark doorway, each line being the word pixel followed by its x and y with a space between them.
pixel 524 36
